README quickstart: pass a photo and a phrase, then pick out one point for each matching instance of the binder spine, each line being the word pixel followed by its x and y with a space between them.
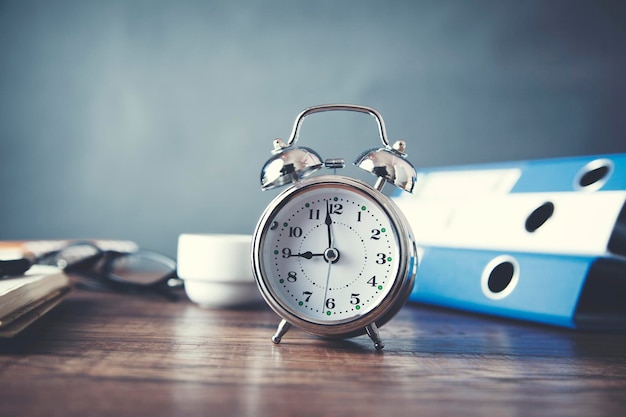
pixel 571 174
pixel 560 223
pixel 535 287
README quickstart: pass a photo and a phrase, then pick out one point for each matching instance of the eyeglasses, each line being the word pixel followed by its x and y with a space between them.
pixel 134 272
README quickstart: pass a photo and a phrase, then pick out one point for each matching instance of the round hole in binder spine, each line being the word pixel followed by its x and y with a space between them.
pixel 500 277
pixel 594 175
pixel 539 216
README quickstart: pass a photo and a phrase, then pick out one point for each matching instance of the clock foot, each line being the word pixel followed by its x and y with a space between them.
pixel 283 328
pixel 372 332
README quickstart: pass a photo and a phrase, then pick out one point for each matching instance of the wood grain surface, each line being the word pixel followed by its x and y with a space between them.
pixel 102 354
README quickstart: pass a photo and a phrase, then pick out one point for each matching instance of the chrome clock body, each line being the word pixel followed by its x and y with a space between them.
pixel 333 255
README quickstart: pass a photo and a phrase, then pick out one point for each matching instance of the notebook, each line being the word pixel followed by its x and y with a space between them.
pixel 25 298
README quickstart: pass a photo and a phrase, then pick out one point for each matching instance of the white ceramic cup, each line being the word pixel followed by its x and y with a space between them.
pixel 216 269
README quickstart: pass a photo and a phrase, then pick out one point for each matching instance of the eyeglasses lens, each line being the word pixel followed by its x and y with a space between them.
pixel 140 268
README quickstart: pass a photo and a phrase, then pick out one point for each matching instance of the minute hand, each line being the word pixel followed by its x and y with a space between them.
pixel 328 221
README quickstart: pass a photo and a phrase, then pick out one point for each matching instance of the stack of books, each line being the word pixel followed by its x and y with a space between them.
pixel 540 240
pixel 29 291
pixel 25 298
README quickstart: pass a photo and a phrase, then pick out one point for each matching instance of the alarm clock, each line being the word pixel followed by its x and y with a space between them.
pixel 331 254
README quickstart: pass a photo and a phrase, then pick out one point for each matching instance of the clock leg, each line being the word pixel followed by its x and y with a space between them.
pixel 283 327
pixel 372 332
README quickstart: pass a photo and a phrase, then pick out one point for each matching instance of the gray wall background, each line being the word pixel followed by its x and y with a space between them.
pixel 145 119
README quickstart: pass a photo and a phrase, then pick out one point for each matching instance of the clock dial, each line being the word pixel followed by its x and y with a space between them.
pixel 330 253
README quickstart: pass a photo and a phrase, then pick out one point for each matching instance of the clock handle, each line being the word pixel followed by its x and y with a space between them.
pixel 339 107
pixel 289 163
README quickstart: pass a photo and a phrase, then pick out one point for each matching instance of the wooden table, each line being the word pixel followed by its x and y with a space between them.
pixel 101 354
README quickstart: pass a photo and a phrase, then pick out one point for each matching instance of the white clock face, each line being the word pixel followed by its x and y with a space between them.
pixel 330 253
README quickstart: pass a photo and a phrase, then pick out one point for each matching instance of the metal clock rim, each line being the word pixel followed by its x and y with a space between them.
pixel 393 301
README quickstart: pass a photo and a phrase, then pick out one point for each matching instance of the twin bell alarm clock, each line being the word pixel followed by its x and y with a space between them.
pixel 331 254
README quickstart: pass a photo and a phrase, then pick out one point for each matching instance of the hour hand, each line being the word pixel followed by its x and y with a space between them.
pixel 306 255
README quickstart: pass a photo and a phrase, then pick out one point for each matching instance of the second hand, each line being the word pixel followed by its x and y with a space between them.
pixel 328 221
pixel 326 290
